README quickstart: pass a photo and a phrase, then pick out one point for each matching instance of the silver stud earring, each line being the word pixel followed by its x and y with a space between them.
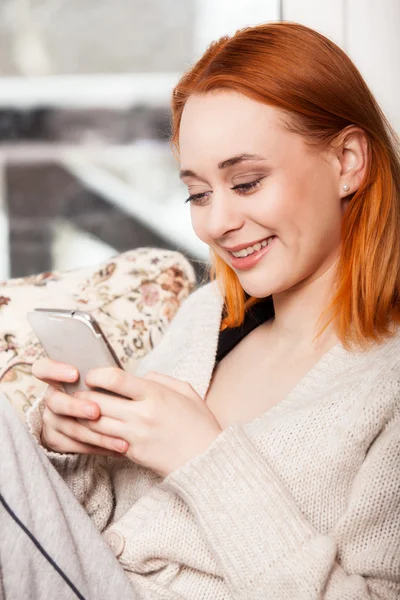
pixel 346 187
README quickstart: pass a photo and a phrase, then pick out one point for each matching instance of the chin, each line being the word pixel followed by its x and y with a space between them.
pixel 256 289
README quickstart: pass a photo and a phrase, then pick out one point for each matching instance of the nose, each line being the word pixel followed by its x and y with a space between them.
pixel 223 215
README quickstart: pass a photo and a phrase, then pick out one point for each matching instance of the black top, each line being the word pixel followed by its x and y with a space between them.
pixel 257 314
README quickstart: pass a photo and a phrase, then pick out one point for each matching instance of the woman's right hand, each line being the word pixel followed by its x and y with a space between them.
pixel 62 431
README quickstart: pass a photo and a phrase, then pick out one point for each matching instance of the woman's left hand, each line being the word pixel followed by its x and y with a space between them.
pixel 164 421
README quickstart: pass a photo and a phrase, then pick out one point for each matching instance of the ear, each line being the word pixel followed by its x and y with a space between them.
pixel 352 155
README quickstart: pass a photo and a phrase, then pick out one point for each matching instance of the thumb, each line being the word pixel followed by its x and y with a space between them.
pixel 179 386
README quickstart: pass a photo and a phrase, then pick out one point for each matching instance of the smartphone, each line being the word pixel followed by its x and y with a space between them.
pixel 73 337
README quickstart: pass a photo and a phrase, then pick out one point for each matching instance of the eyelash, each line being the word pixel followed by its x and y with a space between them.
pixel 242 188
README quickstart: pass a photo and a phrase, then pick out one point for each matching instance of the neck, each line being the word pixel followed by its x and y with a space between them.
pixel 297 311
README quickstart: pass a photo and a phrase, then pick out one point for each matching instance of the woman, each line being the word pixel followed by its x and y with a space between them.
pixel 256 458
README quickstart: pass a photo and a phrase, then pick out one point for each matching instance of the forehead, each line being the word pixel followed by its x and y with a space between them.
pixel 226 123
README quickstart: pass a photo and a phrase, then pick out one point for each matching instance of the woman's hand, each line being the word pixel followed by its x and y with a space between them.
pixel 61 431
pixel 164 421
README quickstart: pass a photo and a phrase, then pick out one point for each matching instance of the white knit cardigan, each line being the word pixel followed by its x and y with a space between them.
pixel 301 503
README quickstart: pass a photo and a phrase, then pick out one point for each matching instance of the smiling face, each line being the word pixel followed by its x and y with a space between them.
pixel 294 194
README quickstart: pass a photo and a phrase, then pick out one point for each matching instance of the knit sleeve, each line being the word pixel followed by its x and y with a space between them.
pixel 88 476
pixel 266 547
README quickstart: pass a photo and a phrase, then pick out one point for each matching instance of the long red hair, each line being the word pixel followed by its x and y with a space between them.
pixel 300 71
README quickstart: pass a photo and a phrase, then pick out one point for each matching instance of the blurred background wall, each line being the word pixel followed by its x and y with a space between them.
pixel 86 168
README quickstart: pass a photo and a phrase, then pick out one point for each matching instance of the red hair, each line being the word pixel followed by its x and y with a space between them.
pixel 306 75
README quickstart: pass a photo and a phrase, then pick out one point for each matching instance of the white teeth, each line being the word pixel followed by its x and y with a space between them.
pixel 252 249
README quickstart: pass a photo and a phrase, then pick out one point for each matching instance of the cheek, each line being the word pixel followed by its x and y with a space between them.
pixel 319 229
pixel 307 223
pixel 198 223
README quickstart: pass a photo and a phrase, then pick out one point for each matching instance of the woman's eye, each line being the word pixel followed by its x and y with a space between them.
pixel 241 188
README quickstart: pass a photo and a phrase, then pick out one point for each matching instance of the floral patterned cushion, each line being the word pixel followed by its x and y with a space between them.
pixel 134 296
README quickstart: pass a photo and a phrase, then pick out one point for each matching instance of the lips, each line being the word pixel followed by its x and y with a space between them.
pixel 247 245
pixel 247 262
pixel 265 242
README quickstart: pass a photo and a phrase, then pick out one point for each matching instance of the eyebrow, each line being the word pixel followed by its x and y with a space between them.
pixel 229 162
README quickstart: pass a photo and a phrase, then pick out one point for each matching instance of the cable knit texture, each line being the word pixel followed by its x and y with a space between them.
pixel 301 503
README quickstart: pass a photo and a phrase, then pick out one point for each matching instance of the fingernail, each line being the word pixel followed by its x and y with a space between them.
pixel 119 445
pixel 71 373
pixel 89 411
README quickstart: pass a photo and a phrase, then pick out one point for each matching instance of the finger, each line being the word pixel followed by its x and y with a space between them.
pixel 82 434
pixel 117 380
pixel 110 406
pixel 63 444
pixel 107 426
pixel 50 371
pixel 61 403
